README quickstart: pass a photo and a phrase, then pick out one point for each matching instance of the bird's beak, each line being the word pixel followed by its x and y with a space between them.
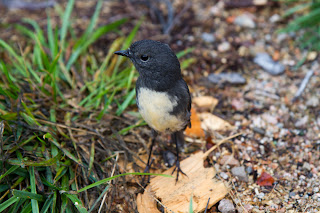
pixel 125 53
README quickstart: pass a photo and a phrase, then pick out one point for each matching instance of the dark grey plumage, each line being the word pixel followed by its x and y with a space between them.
pixel 163 96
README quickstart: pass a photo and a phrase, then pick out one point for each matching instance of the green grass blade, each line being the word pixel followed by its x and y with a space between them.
pixel 185 52
pixel 27 208
pixel 27 195
pixel 131 36
pixel 297 8
pixel 12 169
pixel 125 104
pixel 93 23
pixel 47 204
pixel 92 152
pixel 191 204
pixel 116 176
pixel 18 58
pixel 97 33
pixel 34 202
pixel 99 198
pixel 65 151
pixel 65 22
pixel 64 203
pixel 77 203
pixel 8 203
pixel 4 187
pixel 51 38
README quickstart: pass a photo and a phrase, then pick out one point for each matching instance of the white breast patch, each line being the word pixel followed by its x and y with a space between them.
pixel 155 108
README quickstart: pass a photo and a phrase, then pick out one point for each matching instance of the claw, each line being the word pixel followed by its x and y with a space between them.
pixel 178 170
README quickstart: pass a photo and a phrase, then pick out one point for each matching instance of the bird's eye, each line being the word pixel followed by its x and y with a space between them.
pixel 144 58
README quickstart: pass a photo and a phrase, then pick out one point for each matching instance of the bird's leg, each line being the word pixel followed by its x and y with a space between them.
pixel 150 161
pixel 177 137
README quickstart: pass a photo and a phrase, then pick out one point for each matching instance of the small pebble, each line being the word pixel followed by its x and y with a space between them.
pixel 224 175
pixel 245 20
pixel 249 170
pixel 231 78
pixel 302 121
pixel 275 18
pixel 240 173
pixel 312 56
pixel 306 166
pixel 292 194
pixel 208 37
pixel 224 46
pixel 259 130
pixel 281 37
pixel 315 189
pixel 226 206
pixel 265 61
pixel 261 195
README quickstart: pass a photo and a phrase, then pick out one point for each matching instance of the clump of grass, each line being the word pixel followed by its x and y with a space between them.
pixel 306 22
pixel 54 97
pixel 43 161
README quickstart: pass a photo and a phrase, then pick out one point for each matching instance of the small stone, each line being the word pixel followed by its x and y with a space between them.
pixel 315 189
pixel 259 130
pixel 245 20
pixel 229 160
pixel 243 51
pixel 292 194
pixel 302 121
pixel 312 56
pixel 246 208
pixel 224 46
pixel 240 173
pixel 226 206
pixel 313 101
pixel 275 18
pixel 231 78
pixel 224 175
pixel 249 170
pixel 261 195
pixel 281 37
pixel 265 61
pixel 208 37
pixel 306 166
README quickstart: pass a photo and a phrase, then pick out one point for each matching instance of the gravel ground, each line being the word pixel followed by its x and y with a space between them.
pixel 274 165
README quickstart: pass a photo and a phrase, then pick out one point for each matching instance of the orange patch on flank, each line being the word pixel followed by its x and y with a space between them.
pixel 195 130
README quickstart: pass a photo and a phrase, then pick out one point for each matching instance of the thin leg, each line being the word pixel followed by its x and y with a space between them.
pixel 175 139
pixel 149 162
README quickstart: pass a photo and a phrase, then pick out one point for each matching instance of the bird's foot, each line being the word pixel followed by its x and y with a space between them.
pixel 178 169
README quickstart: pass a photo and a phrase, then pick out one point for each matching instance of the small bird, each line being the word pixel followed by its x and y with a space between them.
pixel 162 96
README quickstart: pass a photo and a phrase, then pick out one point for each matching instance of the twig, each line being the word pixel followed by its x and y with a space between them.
pixel 205 155
pixel 176 19
pixel 205 211
pixel 20 4
pixel 112 173
pixel 303 85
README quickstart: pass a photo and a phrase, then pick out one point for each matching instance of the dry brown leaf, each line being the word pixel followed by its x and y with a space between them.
pixel 211 122
pixel 199 183
pixel 205 102
pixel 196 129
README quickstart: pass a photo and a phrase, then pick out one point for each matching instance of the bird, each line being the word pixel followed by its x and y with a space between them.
pixel 162 95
